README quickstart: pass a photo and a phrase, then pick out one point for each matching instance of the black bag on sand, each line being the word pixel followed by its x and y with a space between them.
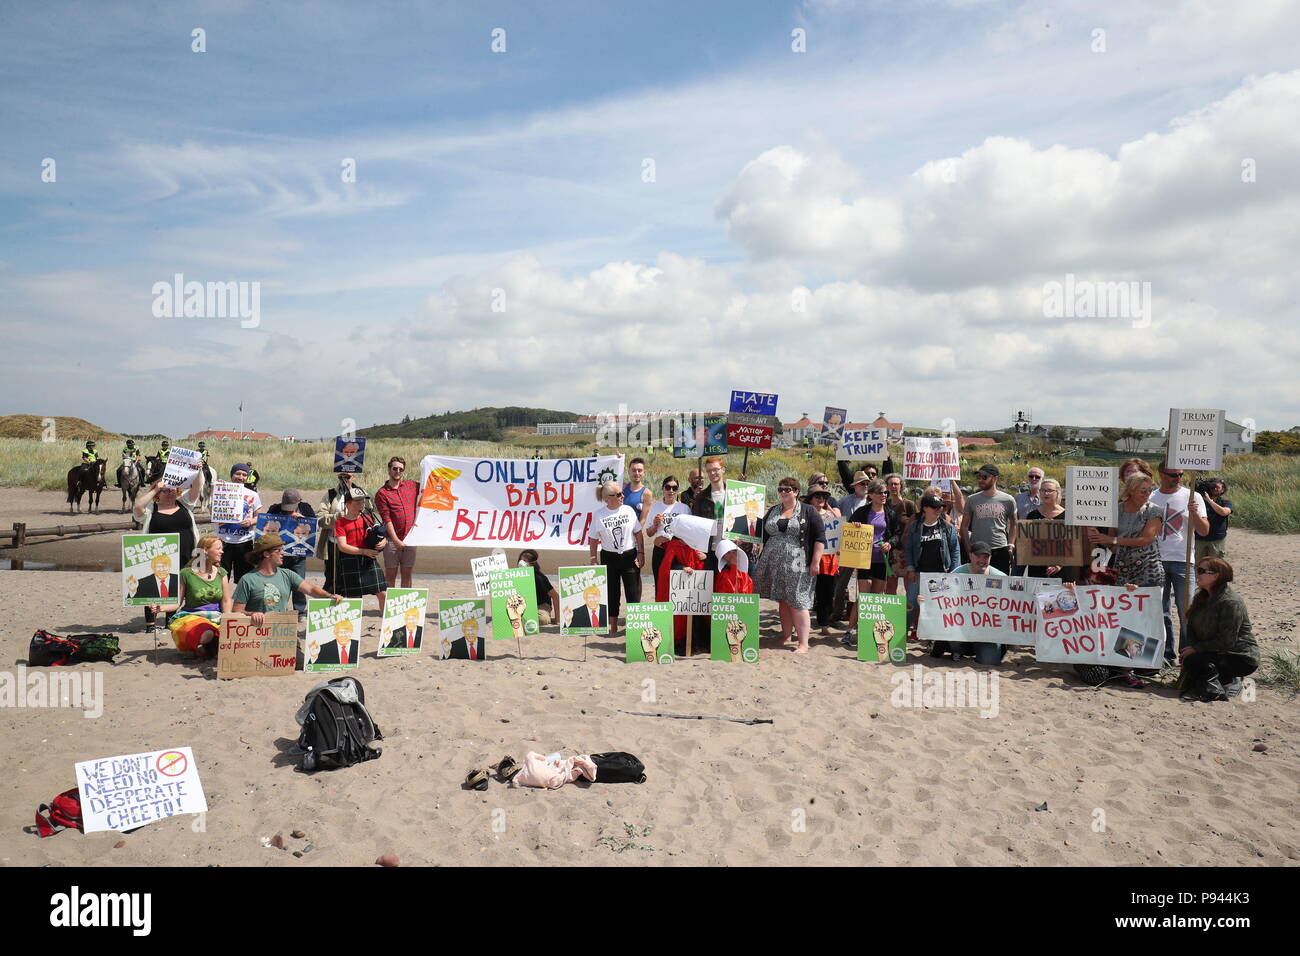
pixel 618 768
pixel 336 726
pixel 55 650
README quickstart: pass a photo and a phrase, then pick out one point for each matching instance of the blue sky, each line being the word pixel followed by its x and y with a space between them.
pixel 921 170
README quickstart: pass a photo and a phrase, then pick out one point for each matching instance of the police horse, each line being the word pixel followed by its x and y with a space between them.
pixel 86 479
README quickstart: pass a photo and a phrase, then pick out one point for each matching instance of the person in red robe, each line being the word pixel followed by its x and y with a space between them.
pixel 678 556
pixel 733 574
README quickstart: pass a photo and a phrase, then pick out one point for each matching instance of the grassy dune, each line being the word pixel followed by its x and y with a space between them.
pixel 1264 488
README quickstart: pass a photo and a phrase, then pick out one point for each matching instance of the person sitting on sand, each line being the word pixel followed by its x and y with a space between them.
pixel 204 586
pixel 1221 647
pixel 269 587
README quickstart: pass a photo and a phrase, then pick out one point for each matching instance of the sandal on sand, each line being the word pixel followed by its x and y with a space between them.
pixel 506 768
pixel 476 780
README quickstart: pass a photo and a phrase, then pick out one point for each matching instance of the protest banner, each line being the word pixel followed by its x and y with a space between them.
pixel 1095 624
pixel 183 466
pixel 715 441
pixel 482 567
pixel 649 632
pixel 349 454
pixel 297 532
pixel 1195 439
pixel 691 529
pixel 1091 496
pixel 733 628
pixel 980 608
pixel 882 627
pixel 689 440
pixel 863 444
pixel 514 603
pixel 227 502
pixel 929 459
pixel 584 600
pixel 462 625
pixel 742 514
pixel 151 569
pixel 832 528
pixel 245 649
pixel 510 502
pixel 832 425
pixel 753 403
pixel 333 641
pixel 855 544
pixel 690 591
pixel 402 631
pixel 1042 542
pixel 122 793
pixel 744 431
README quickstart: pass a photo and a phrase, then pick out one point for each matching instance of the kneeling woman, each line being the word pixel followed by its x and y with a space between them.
pixel 1221 647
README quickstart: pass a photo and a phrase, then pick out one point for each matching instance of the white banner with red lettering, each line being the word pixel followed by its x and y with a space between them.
pixel 510 502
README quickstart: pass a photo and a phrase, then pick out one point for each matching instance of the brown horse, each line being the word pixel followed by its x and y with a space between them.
pixel 86 479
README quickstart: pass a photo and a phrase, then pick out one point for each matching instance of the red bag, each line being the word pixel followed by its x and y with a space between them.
pixel 64 813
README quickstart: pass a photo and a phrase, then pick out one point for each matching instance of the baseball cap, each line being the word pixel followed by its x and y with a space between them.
pixel 932 501
pixel 989 470
pixel 980 547
pixel 355 492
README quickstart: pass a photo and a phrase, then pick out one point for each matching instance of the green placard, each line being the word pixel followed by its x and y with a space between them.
pixel 745 504
pixel 333 635
pixel 402 633
pixel 462 623
pixel 882 627
pixel 584 600
pixel 734 630
pixel 151 565
pixel 650 632
pixel 513 592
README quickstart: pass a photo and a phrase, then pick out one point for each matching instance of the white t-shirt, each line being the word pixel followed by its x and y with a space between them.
pixel 658 508
pixel 234 533
pixel 615 528
pixel 1173 524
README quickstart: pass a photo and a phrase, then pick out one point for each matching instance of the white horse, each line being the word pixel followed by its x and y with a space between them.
pixel 130 476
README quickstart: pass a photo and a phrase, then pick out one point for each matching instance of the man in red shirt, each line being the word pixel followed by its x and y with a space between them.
pixel 396 504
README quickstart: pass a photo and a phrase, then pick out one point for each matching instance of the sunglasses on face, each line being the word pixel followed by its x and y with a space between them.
pixel 1205 571
pixel 790 490
pixel 614 494
pixel 670 487
pixel 1172 474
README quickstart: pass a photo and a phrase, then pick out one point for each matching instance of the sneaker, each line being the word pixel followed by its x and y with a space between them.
pixel 1233 687
pixel 956 657
pixel 847 640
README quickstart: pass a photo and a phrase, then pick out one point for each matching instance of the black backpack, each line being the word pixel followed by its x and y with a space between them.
pixel 618 768
pixel 54 650
pixel 336 727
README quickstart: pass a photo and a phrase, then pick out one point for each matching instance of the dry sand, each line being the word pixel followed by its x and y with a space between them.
pixel 842 777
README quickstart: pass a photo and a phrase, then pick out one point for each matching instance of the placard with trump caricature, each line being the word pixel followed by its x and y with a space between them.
pixel 462 629
pixel 402 631
pixel 584 600
pixel 333 641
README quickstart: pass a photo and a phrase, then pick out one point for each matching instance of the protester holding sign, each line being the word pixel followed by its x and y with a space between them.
pixel 269 587
pixel 238 535
pixel 1221 647
pixel 819 496
pixel 168 514
pixel 857 498
pixel 929 546
pixel 615 531
pixel 883 539
pixel 793 541
pixel 1049 506
pixel 710 502
pixel 358 539
pixel 204 587
pixel 1174 500
pixel 292 506
pixel 547 596
pixel 678 556
pixel 981 562
pixel 654 522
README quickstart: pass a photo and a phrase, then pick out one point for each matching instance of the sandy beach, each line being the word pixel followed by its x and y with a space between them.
pixel 842 776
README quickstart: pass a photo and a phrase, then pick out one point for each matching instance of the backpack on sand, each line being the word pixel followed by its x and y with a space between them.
pixel 336 727
pixel 56 650
pixel 618 767
pixel 64 813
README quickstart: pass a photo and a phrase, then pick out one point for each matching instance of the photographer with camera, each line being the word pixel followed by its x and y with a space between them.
pixel 1212 543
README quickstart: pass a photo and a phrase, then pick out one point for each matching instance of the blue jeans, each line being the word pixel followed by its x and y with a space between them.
pixel 299 567
pixel 1175 575
pixel 989 653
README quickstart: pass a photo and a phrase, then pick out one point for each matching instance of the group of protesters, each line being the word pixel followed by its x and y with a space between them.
pixel 944 531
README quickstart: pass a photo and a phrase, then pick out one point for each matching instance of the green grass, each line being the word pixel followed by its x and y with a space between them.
pixel 1282 668
pixel 1265 489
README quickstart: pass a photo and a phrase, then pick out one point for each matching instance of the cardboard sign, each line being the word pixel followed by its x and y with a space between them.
pixel 333 641
pixel 882 627
pixel 247 650
pixel 509 502
pixel 745 504
pixel 832 528
pixel 929 459
pixel 298 532
pixel 482 567
pixel 733 631
pixel 227 502
pixel 1195 439
pixel 462 625
pixel 1092 624
pixel 1091 496
pixel 1043 542
pixel 122 793
pixel 584 599
pixel 715 442
pixel 855 544
pixel 650 633
pixel 979 608
pixel 513 592
pixel 349 454
pixel 832 425
pixel 863 444
pixel 753 403
pixel 183 466
pixel 690 591
pixel 151 569
pixel 402 631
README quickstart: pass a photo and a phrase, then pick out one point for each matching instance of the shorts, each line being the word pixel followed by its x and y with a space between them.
pixel 875 573
pixel 393 558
